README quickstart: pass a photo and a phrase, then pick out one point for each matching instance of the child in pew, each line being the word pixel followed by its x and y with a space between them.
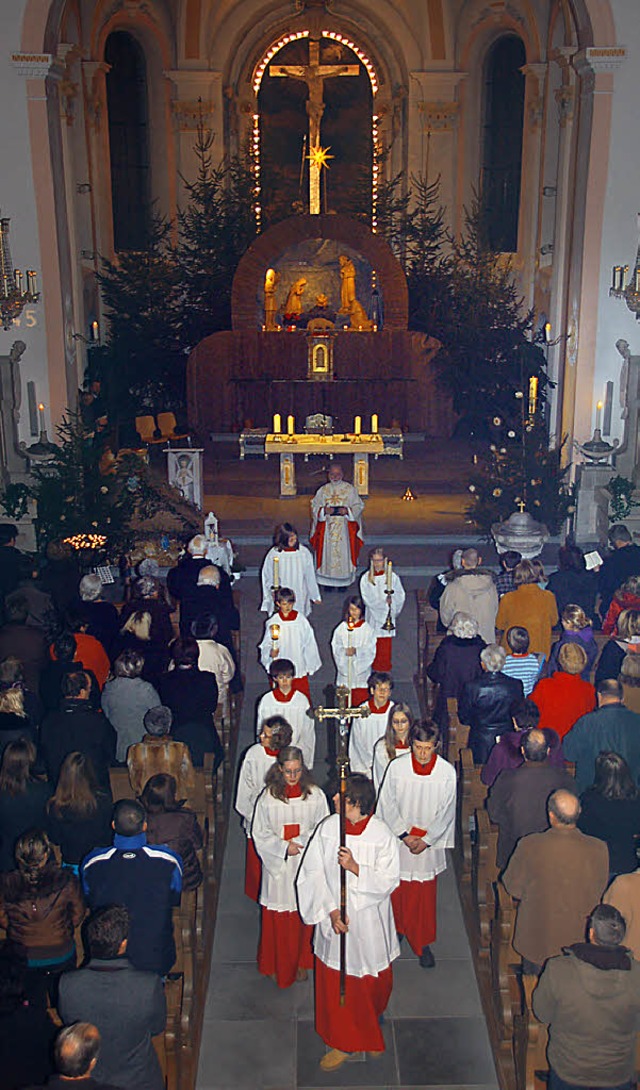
pixel 521 663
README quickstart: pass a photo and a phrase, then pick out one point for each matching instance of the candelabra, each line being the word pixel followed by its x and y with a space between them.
pixel 13 296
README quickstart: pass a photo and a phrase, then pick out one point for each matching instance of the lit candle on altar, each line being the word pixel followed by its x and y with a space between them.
pixel 41 416
pixel 389 575
pixel 533 394
pixel 598 414
pixel 291 425
pixel 614 278
pixel 95 332
pixel 18 279
pixel 276 565
pixel 277 423
pixel 374 424
pixel 357 425
pixel 637 280
pixel 5 285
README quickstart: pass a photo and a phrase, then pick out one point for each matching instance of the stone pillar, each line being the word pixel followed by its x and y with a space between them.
pixel 592 522
pixel 535 76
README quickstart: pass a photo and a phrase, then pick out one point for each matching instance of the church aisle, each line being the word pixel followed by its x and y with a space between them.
pixel 257 1036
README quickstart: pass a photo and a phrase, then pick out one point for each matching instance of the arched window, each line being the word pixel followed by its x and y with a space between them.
pixel 128 140
pixel 502 150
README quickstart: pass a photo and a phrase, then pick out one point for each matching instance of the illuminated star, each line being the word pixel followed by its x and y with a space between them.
pixel 319 157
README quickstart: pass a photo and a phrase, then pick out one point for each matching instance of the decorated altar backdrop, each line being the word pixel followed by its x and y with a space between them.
pixel 234 378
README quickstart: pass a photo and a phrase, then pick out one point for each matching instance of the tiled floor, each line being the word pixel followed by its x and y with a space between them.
pixel 258 1036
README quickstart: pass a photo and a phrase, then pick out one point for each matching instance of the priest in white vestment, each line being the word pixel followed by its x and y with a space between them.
pixel 417 800
pixel 382 591
pixel 371 862
pixel 293 704
pixel 336 530
pixel 289 564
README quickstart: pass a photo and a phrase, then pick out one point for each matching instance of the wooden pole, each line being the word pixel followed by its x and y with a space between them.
pixel 343 768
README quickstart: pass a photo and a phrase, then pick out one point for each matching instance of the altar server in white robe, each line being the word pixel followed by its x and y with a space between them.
pixel 394 741
pixel 336 530
pixel 275 734
pixel 285 816
pixel 375 587
pixel 417 800
pixel 288 635
pixel 365 732
pixel 353 646
pixel 371 860
pixel 289 564
pixel 283 699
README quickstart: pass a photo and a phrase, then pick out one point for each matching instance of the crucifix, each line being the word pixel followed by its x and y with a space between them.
pixel 314 74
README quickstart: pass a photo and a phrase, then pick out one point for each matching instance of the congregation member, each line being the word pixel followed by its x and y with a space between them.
pixel 41 612
pixel 589 995
pixel 135 637
pixel 147 597
pixel 507 752
pixel 212 595
pixel 353 646
pixel 504 578
pixel 214 658
pixel 103 620
pixel 10 561
pixel 23 797
pixel 383 595
pixel 145 878
pixel 629 678
pixel 183 578
pixel 576 628
pixel 572 583
pixel 485 703
pixel 366 731
pixel 90 654
pixel 556 876
pixel 417 800
pixel 456 661
pixel 294 705
pixel 24 642
pixel 14 722
pixel 612 727
pixel 12 676
pixel 63 661
pixel 189 691
pixel 520 661
pixel 517 801
pixel 471 589
pixel 77 727
pixel 26 1031
pixel 126 699
pixel 625 597
pixel 286 814
pixel 40 907
pixel 529 607
pixel 393 742
pixel 127 1005
pixel 370 859
pixel 76 1053
pixel 275 734
pixel 336 530
pixel 565 696
pixel 288 635
pixel 160 752
pixel 625 641
pixel 622 562
pixel 170 822
pixel 78 812
pixel 611 812
pixel 624 894
pixel 289 564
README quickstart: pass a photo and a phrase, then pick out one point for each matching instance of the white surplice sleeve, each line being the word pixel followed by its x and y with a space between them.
pixel 309 574
pixel 315 899
pixel 399 596
pixel 268 841
pixel 441 831
pixel 267 581
pixel 266 642
pixel 375 882
pixel 310 653
pixel 339 648
pixel 249 787
pixel 387 808
pixel 380 762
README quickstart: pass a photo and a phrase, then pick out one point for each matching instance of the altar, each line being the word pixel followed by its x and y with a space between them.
pixel 360 446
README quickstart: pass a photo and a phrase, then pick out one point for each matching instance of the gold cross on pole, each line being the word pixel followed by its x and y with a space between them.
pixel 314 74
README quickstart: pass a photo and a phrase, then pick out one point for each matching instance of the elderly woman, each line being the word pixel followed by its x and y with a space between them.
pixel 530 607
pixel 102 617
pixel 126 699
pixel 456 661
pixel 147 597
pixel 485 702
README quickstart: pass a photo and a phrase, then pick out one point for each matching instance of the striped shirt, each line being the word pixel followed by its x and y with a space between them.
pixel 524 667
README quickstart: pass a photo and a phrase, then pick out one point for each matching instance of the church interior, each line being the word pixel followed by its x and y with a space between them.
pixel 270 224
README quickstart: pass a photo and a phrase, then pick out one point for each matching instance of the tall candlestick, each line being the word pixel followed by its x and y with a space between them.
pixel 291 425
pixel 533 394
pixel 357 425
pixel 276 566
pixel 598 414
pixel 374 424
pixel 95 331
pixel 613 278
pixel 41 416
pixel 5 285
pixel 277 423
pixel 18 279
pixel 389 575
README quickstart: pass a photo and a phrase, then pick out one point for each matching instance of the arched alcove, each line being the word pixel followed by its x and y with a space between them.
pixel 128 120
pixel 504 87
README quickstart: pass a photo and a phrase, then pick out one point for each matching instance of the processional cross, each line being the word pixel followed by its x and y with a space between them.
pixel 314 74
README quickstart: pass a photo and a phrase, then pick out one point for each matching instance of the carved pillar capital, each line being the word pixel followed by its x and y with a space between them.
pixel 194 97
pixel 535 75
pixel 94 73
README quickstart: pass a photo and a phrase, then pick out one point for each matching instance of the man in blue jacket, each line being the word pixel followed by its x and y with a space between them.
pixel 145 878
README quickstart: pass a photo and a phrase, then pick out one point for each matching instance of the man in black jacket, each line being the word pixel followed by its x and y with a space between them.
pixel 485 703
pixel 77 726
pixel 192 696
pixel 126 1005
pixel 623 561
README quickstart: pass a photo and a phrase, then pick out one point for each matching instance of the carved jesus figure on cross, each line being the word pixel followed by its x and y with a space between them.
pixel 314 74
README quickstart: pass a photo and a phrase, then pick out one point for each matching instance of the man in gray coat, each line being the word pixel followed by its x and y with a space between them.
pixel 126 1004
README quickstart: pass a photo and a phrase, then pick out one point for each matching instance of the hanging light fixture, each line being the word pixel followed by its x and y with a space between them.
pixel 15 291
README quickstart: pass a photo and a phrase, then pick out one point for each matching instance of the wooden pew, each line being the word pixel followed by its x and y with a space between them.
pixel 485 874
pixel 472 795
pixel 458 732
pixel 506 996
pixel 530 1043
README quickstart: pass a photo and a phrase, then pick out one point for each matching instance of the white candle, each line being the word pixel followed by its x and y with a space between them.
pixel 276 565
pixel 598 414
pixel 291 425
pixel 389 574
pixel 18 279
pixel 41 416
pixel 95 331
pixel 277 423
pixel 374 424
pixel 613 278
pixel 357 425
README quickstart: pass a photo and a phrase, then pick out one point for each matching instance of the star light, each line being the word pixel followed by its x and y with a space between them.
pixel 319 157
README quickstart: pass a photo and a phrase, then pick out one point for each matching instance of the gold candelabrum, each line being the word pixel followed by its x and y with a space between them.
pixel 13 296
pixel 629 290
